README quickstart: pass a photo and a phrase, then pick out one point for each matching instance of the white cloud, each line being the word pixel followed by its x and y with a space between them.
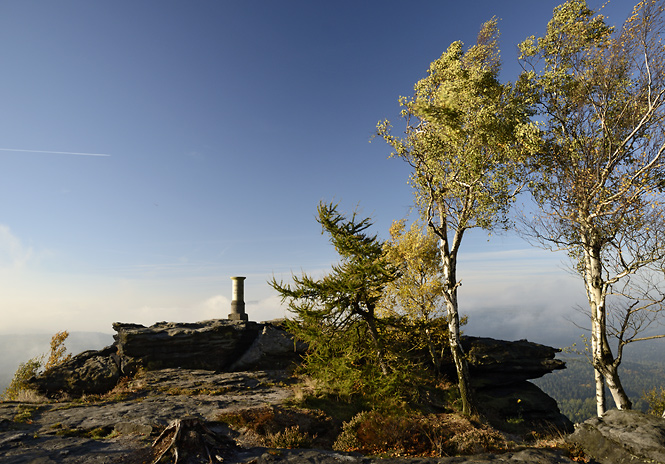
pixel 216 304
pixel 536 303
pixel 266 309
pixel 13 253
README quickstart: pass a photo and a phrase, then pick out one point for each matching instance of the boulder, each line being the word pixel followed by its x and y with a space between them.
pixel 621 437
pixel 211 345
pixel 91 372
pixel 524 403
pixel 274 348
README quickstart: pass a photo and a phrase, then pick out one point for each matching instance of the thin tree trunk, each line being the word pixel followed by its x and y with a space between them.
pixel 600 392
pixel 374 333
pixel 450 284
pixel 436 361
pixel 594 287
pixel 461 365
pixel 616 389
pixel 602 358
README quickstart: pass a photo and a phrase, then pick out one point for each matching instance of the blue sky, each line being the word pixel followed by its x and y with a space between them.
pixel 224 124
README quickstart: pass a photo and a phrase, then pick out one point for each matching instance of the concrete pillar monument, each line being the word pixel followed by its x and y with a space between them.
pixel 238 301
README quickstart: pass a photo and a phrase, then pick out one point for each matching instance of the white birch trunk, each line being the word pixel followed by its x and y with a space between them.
pixel 600 393
pixel 603 361
pixel 461 366
pixel 594 287
pixel 616 388
pixel 448 256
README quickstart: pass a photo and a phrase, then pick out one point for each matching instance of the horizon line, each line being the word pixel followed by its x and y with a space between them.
pixel 54 152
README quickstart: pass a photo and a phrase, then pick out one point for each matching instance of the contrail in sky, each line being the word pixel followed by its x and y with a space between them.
pixel 54 152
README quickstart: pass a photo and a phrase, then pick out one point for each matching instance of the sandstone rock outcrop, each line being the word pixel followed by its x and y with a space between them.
pixel 216 345
pixel 498 362
pixel 212 345
pixel 93 372
pixel 499 369
pixel 621 437
pixel 209 368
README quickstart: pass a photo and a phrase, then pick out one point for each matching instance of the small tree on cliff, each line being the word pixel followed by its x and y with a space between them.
pixel 598 181
pixel 57 355
pixel 416 296
pixel 336 314
pixel 460 138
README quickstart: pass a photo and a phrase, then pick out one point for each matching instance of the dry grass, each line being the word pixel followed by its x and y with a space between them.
pixel 30 396
pixel 419 435
pixel 127 388
pixel 282 427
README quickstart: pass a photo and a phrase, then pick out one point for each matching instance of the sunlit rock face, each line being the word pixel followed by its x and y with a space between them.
pixel 622 437
pixel 212 345
pixel 217 345
pixel 500 371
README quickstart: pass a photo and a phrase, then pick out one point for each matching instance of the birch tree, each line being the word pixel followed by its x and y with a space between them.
pixel 416 296
pixel 461 125
pixel 599 95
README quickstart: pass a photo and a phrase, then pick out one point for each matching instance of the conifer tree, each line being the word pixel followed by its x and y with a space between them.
pixel 336 314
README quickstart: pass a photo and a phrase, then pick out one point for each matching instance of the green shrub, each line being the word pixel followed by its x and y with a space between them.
pixel 291 437
pixel 656 400
pixel 19 382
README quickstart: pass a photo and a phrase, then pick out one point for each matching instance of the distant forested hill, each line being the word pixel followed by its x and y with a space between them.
pixel 573 387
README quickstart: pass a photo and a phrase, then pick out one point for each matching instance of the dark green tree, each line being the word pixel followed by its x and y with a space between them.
pixel 336 314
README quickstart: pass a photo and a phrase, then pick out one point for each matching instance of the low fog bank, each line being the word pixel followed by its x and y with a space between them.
pixel 503 324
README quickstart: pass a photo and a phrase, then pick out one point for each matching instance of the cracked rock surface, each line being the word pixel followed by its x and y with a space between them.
pixel 121 428
pixel 621 437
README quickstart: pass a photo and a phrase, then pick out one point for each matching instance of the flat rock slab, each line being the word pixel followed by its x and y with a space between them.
pixel 621 437
pixel 54 432
pixel 59 432
pixel 72 450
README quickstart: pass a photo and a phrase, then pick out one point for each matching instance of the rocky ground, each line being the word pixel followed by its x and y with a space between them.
pixel 121 426
pixel 108 429
pixel 182 397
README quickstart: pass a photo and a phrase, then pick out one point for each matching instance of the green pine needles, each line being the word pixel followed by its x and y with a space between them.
pixel 354 354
